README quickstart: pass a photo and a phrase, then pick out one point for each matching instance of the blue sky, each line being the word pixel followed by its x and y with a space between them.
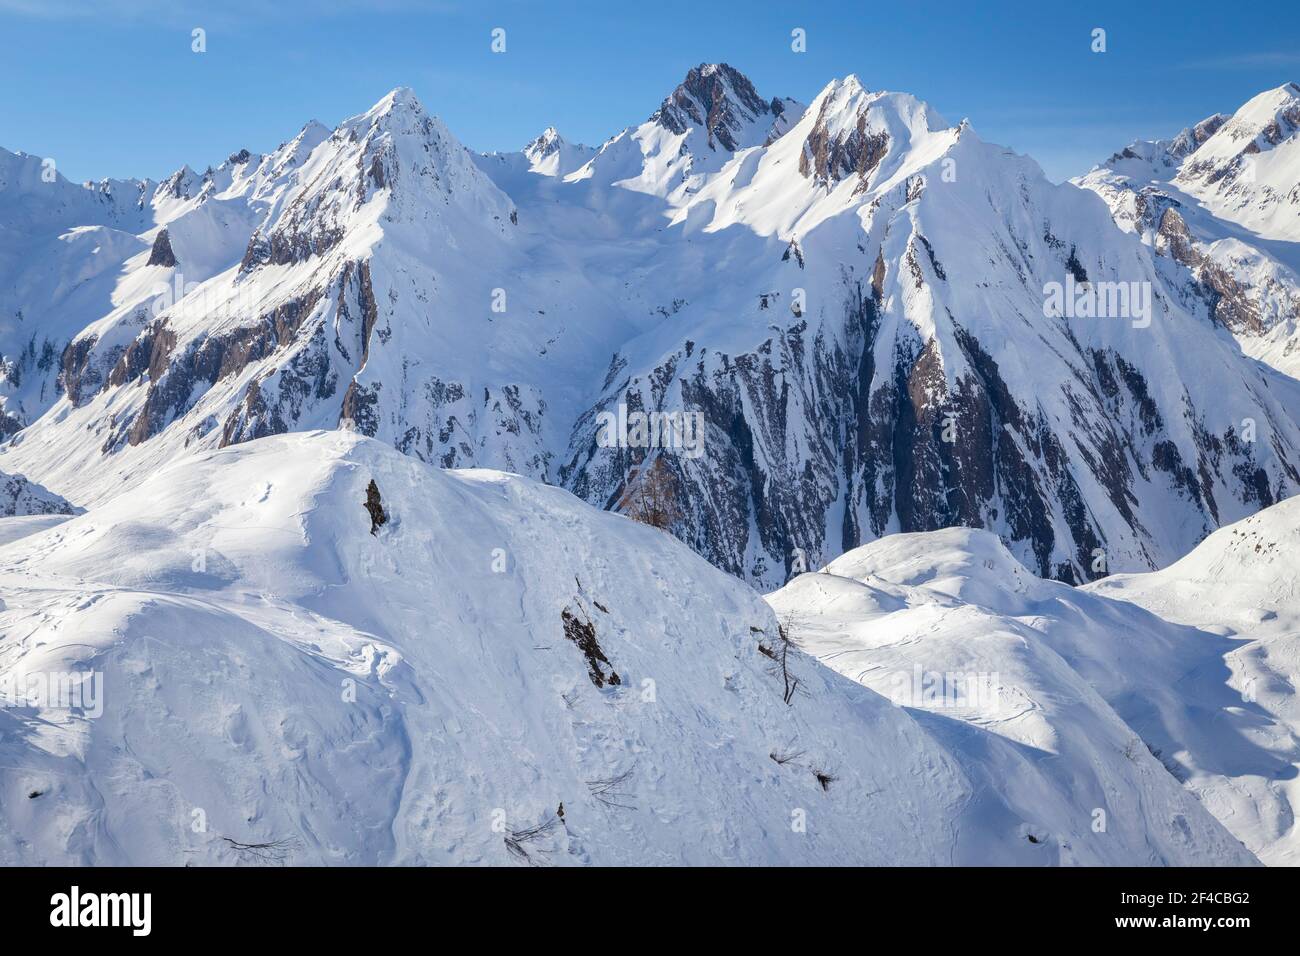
pixel 111 87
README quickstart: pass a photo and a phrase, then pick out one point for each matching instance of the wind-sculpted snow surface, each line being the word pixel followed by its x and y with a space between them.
pixel 1038 679
pixel 883 324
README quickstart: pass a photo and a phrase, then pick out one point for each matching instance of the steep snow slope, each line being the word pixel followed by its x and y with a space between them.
pixel 859 310
pixel 1223 198
pixel 1081 676
pixel 1248 171
pixel 109 257
pixel 411 696
pixel 274 672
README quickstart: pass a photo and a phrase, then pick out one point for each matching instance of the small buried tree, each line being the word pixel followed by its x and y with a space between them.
pixel 373 505
pixel 650 495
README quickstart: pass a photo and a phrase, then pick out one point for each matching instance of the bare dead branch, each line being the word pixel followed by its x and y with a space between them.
pixel 518 842
pixel 610 791
pixel 274 853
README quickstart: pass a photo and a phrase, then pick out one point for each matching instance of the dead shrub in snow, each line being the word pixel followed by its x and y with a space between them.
pixel 650 495
pixel 274 853
pixel 781 655
pixel 520 842
pixel 825 778
pixel 610 791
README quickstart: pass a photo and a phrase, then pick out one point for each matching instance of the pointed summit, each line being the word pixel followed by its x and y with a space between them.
pixel 398 98
pixel 1263 122
pixel 720 100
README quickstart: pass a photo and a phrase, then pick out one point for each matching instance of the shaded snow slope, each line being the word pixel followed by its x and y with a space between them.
pixel 1241 588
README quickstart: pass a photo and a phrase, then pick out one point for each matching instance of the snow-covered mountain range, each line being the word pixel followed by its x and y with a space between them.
pixel 880 318
pixel 306 465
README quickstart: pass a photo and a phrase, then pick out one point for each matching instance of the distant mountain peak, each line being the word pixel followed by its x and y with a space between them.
pixel 548 142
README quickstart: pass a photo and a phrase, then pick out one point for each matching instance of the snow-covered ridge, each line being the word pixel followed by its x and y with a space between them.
pixel 19 497
pixel 712 115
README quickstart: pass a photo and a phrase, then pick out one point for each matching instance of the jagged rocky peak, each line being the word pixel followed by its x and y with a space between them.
pixel 180 183
pixel 1263 122
pixel 397 149
pixel 721 101
pixel 544 145
pixel 1152 158
pixel 1272 116
pixel 1190 139
pixel 400 118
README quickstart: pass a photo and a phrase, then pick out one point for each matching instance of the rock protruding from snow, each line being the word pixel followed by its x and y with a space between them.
pixel 714 113
pixel 162 254
pixel 722 102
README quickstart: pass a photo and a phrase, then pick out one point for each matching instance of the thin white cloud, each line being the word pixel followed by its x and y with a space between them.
pixel 187 10
pixel 1259 60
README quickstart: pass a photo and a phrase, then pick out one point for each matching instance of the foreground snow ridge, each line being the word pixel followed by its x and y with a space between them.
pixel 498 674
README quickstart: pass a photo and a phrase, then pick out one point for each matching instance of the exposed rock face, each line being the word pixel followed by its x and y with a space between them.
pixel 18 496
pixel 830 157
pixel 547 144
pixel 375 507
pixel 1233 302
